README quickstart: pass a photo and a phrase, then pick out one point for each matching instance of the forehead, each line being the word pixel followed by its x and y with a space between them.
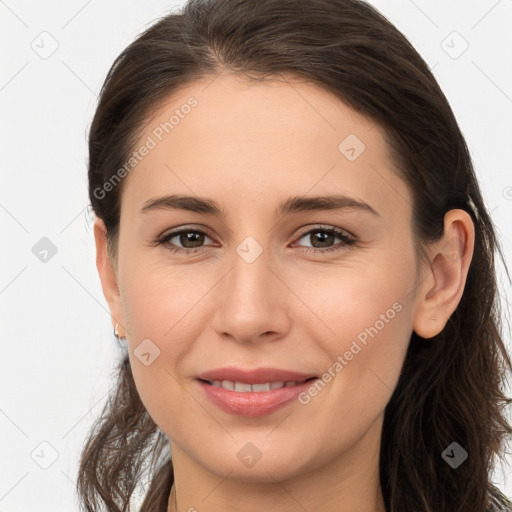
pixel 250 144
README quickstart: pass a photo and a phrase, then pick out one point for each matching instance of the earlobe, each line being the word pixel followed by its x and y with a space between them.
pixel 450 259
pixel 107 274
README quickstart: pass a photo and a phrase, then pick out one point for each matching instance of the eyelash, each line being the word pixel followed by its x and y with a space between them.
pixel 347 240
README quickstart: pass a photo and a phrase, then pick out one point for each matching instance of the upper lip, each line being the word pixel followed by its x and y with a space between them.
pixel 254 376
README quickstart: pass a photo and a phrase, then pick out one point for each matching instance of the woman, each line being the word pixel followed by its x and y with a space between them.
pixel 360 371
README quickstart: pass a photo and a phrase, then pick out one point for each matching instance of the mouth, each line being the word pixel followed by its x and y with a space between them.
pixel 253 400
pixel 244 387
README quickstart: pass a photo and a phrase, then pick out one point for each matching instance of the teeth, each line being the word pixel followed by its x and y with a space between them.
pixel 227 384
pixel 244 387
pixel 261 387
pixel 240 386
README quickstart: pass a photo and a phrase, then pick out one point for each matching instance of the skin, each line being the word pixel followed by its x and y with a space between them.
pixel 250 146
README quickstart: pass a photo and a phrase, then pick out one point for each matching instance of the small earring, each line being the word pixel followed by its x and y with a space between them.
pixel 116 332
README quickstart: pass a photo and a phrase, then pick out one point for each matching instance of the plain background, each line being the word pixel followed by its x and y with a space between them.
pixel 58 346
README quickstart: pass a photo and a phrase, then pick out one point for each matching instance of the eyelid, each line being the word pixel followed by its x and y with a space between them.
pixel 326 227
pixel 187 227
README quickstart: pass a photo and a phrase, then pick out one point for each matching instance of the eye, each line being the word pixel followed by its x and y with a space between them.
pixel 327 236
pixel 190 238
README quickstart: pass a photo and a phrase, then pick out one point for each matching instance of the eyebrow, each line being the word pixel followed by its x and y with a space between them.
pixel 294 204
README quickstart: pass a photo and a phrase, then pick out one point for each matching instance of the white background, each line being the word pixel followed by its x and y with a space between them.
pixel 57 344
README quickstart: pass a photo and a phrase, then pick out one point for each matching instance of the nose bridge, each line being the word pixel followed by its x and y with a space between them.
pixel 250 298
pixel 250 276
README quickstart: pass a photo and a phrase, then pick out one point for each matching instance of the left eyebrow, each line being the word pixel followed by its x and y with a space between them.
pixel 293 204
pixel 332 202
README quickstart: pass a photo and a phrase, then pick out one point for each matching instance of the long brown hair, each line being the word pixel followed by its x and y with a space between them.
pixel 450 386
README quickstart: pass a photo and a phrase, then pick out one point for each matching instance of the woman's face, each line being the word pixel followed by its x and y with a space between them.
pixel 269 284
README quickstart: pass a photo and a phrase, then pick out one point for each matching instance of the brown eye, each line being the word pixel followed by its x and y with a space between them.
pixel 323 238
pixel 190 239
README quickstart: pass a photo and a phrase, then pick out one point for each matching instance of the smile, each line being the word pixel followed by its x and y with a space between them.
pixel 245 387
pixel 253 400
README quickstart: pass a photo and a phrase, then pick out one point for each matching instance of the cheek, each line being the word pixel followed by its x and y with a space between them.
pixel 358 302
pixel 362 325
pixel 161 305
pixel 158 298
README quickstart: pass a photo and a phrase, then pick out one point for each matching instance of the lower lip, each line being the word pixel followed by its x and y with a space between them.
pixel 253 404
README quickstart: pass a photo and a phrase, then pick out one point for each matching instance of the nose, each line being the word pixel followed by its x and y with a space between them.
pixel 252 302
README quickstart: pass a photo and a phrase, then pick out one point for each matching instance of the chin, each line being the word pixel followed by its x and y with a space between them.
pixel 267 469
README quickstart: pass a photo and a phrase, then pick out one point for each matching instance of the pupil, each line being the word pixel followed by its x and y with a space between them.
pixel 325 236
pixel 191 237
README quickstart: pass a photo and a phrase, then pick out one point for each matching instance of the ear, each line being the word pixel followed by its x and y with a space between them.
pixel 108 276
pixel 441 290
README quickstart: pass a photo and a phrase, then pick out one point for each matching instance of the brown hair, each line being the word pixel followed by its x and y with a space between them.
pixel 450 386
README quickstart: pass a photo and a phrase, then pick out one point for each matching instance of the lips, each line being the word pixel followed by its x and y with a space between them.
pixel 253 393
